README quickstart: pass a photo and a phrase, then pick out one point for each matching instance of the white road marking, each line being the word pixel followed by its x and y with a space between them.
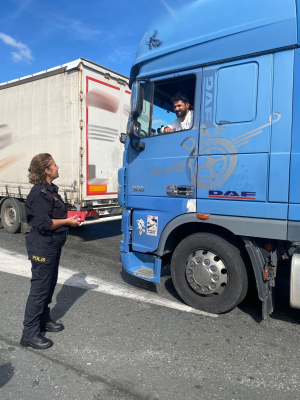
pixel 17 264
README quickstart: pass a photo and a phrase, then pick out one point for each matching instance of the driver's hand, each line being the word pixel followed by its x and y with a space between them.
pixel 167 129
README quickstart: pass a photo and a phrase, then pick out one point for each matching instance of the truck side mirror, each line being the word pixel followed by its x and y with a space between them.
pixel 133 132
pixel 136 99
pixel 133 129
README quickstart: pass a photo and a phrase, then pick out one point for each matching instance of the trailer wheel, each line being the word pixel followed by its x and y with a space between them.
pixel 10 216
pixel 209 273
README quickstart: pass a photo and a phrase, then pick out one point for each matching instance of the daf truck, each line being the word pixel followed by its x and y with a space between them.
pixel 218 202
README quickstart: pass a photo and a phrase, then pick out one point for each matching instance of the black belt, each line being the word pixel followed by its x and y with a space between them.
pixel 47 233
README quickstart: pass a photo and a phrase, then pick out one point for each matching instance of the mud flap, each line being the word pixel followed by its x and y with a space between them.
pixel 268 305
pixel 265 291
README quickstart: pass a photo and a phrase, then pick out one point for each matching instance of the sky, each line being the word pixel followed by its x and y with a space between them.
pixel 36 35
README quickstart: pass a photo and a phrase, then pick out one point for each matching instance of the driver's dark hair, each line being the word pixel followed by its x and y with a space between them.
pixel 178 96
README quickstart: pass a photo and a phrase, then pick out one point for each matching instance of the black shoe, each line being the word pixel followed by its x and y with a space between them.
pixel 38 342
pixel 52 326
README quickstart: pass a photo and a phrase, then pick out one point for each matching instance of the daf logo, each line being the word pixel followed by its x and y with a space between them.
pixel 209 97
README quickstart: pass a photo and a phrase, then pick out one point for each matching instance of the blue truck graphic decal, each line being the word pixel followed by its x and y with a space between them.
pixel 209 145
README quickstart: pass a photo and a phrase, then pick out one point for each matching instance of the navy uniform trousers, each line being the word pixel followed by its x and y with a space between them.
pixel 44 250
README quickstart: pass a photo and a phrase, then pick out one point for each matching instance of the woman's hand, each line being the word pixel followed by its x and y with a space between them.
pixel 72 221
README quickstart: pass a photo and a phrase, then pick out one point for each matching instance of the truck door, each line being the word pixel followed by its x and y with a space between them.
pixel 235 139
pixel 161 169
pixel 159 183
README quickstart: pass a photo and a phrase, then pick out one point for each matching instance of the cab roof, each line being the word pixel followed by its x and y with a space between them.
pixel 209 31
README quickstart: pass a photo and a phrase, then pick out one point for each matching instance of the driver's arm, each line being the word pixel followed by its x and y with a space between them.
pixel 168 128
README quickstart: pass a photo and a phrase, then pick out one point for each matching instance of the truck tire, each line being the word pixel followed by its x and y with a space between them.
pixel 209 273
pixel 11 216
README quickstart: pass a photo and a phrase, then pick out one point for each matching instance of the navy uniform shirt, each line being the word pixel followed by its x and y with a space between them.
pixel 44 204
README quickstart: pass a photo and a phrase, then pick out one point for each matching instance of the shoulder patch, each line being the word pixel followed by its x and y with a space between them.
pixel 44 190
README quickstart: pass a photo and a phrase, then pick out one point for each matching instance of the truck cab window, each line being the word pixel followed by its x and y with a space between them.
pixel 168 106
pixel 144 118
pixel 237 93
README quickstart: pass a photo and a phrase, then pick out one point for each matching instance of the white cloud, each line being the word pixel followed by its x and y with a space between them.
pixel 54 19
pixel 22 53
pixel 76 28
pixel 21 7
pixel 121 54
pixel 158 122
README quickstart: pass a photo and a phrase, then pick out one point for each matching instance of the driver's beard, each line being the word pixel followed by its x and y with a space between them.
pixel 182 114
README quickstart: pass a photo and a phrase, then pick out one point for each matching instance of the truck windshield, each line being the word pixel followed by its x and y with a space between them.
pixel 158 105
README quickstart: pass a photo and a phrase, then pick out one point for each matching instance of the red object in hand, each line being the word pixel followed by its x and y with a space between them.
pixel 80 215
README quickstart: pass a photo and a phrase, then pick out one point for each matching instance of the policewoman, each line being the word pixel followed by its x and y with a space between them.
pixel 47 216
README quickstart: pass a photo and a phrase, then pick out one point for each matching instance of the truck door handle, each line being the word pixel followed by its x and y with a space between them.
pixel 180 191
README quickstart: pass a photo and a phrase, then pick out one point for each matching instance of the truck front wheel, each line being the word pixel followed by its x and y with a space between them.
pixel 209 273
pixel 11 216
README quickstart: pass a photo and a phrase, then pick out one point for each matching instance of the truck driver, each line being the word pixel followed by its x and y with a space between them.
pixel 184 120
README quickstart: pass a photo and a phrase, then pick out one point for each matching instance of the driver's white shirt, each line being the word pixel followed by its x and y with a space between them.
pixel 179 125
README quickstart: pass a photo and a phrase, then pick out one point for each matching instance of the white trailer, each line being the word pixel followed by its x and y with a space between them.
pixel 75 112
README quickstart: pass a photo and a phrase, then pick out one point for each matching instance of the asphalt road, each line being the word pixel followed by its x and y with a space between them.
pixel 129 339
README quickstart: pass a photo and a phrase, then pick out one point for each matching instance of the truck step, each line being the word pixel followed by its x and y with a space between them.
pixel 144 272
pixel 145 266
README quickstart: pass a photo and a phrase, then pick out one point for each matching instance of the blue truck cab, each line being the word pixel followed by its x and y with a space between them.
pixel 218 197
